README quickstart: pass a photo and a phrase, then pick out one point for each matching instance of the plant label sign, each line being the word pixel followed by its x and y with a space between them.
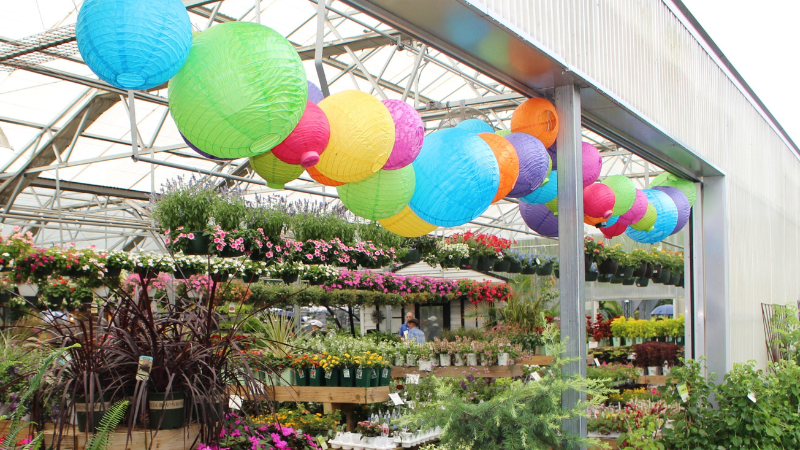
pixel 412 378
pixel 395 397
pixel 145 364
pixel 425 365
pixel 597 362
pixel 752 396
pixel 322 444
pixel 536 376
pixel 593 344
pixel 683 391
pixel 346 373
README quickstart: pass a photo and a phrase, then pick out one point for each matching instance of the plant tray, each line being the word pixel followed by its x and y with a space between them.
pixel 180 439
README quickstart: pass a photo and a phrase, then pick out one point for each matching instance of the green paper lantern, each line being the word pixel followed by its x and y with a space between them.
pixel 686 186
pixel 241 91
pixel 502 132
pixel 624 193
pixel 552 205
pixel 648 221
pixel 380 196
pixel 276 172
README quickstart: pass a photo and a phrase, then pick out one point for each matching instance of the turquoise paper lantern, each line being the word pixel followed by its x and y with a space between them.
pixel 475 126
pixel 545 193
pixel 134 44
pixel 666 220
pixel 457 176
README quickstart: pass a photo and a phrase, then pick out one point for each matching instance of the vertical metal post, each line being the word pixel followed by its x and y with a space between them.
pixel 714 272
pixel 570 248
pixel 322 15
pixel 134 131
pixel 258 11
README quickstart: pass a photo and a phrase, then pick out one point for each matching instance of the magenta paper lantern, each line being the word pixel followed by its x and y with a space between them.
pixel 598 200
pixel 409 133
pixel 314 93
pixel 539 219
pixel 534 163
pixel 637 211
pixel 592 163
pixel 681 202
pixel 613 230
pixel 202 153
pixel 308 139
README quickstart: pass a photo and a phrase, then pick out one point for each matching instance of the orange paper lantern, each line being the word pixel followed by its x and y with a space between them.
pixel 537 117
pixel 593 220
pixel 508 161
pixel 320 178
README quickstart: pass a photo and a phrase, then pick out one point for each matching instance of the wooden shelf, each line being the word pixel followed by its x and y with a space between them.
pixel 319 394
pixel 462 371
pixel 538 360
pixel 180 439
pixel 659 380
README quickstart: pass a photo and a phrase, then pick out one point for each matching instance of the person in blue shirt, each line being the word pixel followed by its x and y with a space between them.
pixel 414 332
pixel 404 327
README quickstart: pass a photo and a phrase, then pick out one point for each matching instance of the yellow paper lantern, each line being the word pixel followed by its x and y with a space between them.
pixel 362 136
pixel 276 172
pixel 406 223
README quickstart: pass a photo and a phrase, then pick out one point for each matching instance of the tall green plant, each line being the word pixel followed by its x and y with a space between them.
pixel 375 232
pixel 527 415
pixel 532 296
pixel 187 204
pixel 108 425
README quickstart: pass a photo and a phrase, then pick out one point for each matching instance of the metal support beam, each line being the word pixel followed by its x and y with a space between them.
pixel 570 233
pixel 714 274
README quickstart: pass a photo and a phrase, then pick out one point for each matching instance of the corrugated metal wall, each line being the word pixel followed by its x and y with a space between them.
pixel 642 53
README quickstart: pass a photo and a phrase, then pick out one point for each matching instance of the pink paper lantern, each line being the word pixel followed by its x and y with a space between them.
pixel 637 211
pixel 592 163
pixel 539 219
pixel 598 200
pixel 308 139
pixel 409 133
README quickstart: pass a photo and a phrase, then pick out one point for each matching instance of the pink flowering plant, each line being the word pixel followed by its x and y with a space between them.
pixel 390 283
pixel 36 265
pixel 16 244
pixel 241 433
pixel 371 429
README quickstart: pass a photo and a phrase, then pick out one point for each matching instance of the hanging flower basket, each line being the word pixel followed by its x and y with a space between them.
pixel 628 281
pixel 608 266
pixel 642 281
pixel 603 278
pixel 545 269
pixel 591 276
pixel 640 271
pixel 514 267
pixel 199 245
pixel 413 256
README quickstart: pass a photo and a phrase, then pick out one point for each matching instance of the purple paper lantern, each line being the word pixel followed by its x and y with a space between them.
pixel 534 163
pixel 552 152
pixel 314 93
pixel 592 163
pixel 598 201
pixel 637 211
pixel 539 219
pixel 681 202
pixel 202 153
pixel 409 133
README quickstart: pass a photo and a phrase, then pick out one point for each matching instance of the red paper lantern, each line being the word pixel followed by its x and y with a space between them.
pixel 308 139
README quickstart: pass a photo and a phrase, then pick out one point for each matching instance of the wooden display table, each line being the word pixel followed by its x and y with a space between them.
pixel 180 439
pixel 462 371
pixel 332 398
pixel 538 360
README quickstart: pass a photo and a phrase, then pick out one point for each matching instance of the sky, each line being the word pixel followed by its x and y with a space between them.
pixel 760 38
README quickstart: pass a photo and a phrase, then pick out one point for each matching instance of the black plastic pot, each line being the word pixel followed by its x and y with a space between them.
pixel 640 271
pixel 486 263
pixel 616 279
pixel 198 245
pixel 544 270
pixel 451 264
pixel 675 278
pixel 608 266
pixel 591 276
pixel 656 271
pixel 413 256
pixel 604 278
pixel 587 262
pixel 627 272
pixel 249 278
pixel 82 410
pixel 503 265
pixel 642 281
pixel 648 271
pixel 166 410
pixel 663 276
pixel 182 273
pixel 113 272
pixel 558 275
pixel 515 267
pixel 628 281
pixel 289 278
pixel 680 283
pixel 229 252
pixel 528 271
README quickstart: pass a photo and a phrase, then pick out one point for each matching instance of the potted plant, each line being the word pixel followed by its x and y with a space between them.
pixel 591 274
pixel 319 275
pixel 528 263
pixel 183 211
pixel 56 294
pixel 300 364
pixel 514 259
pixel 186 266
pixel 619 330
pixel 252 271
pixel 369 431
pixel 289 272
pixel 544 265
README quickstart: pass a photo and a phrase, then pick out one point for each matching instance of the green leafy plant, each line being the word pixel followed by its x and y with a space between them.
pixel 108 425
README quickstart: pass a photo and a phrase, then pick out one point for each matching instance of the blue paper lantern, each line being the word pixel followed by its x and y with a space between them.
pixel 681 203
pixel 534 163
pixel 475 126
pixel 134 44
pixel 545 193
pixel 666 220
pixel 457 177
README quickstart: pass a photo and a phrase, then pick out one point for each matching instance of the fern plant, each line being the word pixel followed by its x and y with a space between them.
pixel 108 425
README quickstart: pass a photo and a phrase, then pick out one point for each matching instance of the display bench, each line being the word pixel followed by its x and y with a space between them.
pixel 461 371
pixel 179 439
pixel 342 399
pixel 655 380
